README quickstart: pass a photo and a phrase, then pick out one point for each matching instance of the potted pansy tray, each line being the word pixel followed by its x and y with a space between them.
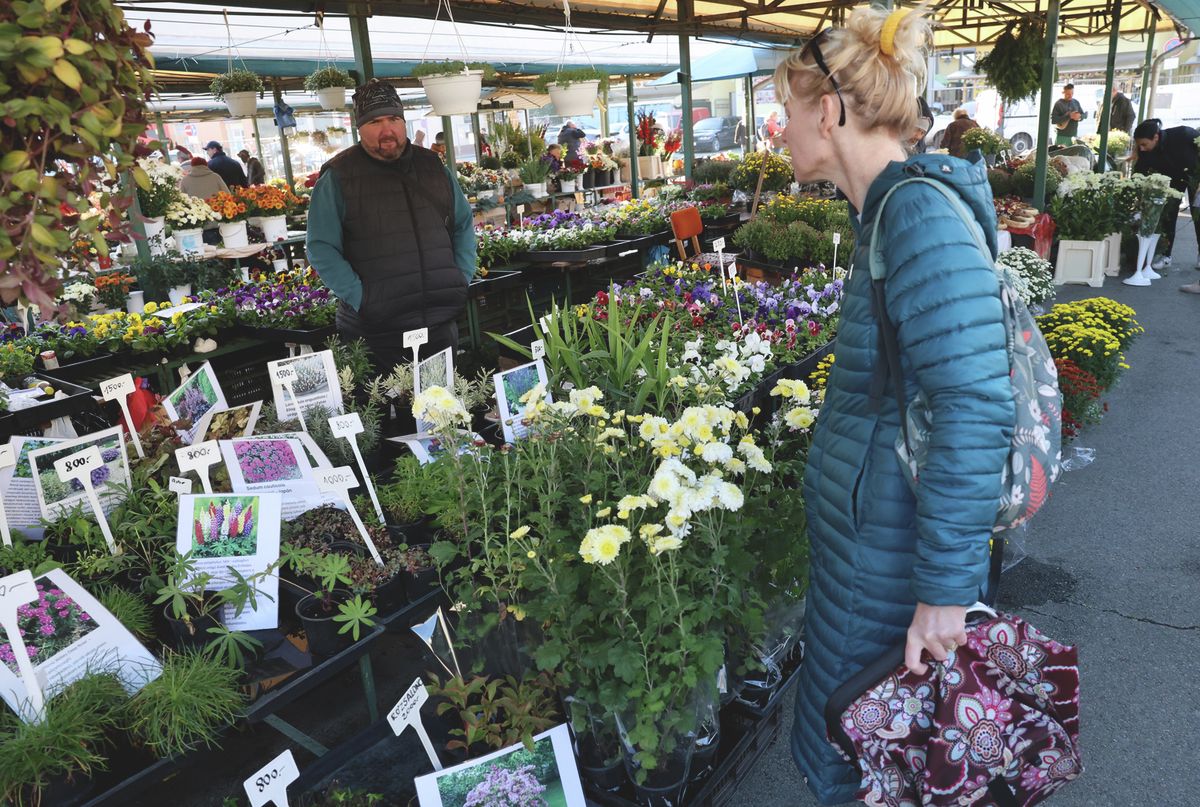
pixel 286 311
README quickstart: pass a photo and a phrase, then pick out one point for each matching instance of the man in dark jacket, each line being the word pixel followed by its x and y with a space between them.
pixel 952 137
pixel 1122 116
pixel 1065 115
pixel 254 168
pixel 571 137
pixel 225 166
pixel 1171 152
pixel 391 234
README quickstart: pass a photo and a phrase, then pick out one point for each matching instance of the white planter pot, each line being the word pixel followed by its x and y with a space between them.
pixel 650 167
pixel 154 235
pixel 536 188
pixel 136 302
pixel 568 185
pixel 233 233
pixel 454 95
pixel 489 193
pixel 575 99
pixel 242 104
pixel 332 98
pixel 279 265
pixel 190 242
pixel 1080 262
pixel 274 228
pixel 177 293
pixel 1112 263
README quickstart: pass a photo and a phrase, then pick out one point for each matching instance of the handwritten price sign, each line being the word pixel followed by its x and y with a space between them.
pixel 348 427
pixel 269 784
pixel 199 458
pixel 339 481
pixel 407 712
pixel 78 467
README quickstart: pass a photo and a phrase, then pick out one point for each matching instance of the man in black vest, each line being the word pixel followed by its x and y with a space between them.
pixel 391 234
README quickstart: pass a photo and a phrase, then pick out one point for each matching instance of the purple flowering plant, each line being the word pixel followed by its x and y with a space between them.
pixel 502 787
pixel 52 623
pixel 267 461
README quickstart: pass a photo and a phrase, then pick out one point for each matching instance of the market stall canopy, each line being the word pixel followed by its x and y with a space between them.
pixel 1187 12
pixel 730 62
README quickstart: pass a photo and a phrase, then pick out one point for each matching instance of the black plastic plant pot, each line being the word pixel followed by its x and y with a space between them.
pixel 391 596
pixel 663 789
pixel 317 619
pixel 704 758
pixel 609 778
pixel 419 582
pixel 191 633
pixel 64 792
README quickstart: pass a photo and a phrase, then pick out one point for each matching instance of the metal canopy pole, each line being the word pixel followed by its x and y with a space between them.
pixel 685 90
pixel 448 133
pixel 361 40
pixel 478 137
pixel 258 140
pixel 1146 71
pixel 1043 144
pixel 604 124
pixel 1110 68
pixel 634 146
pixel 751 124
pixel 283 143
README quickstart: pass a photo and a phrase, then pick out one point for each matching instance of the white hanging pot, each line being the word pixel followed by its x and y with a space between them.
pixel 575 99
pixel 274 228
pixel 332 97
pixel 454 95
pixel 242 104
pixel 176 293
pixel 233 233
pixel 190 242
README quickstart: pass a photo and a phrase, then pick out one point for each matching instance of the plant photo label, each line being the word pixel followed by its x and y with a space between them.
pixel 225 424
pixel 18 488
pixel 511 386
pixel 229 532
pixel 313 383
pixel 275 464
pixel 435 371
pixel 57 496
pixel 195 397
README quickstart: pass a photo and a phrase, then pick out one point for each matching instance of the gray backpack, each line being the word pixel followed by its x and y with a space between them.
pixel 1035 457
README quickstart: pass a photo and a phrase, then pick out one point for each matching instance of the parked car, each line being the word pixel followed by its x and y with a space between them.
pixel 716 133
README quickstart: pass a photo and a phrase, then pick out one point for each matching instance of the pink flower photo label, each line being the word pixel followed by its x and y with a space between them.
pixel 17 590
pixel 268 785
pixel 339 481
pixel 8 458
pixel 348 427
pixel 199 458
pixel 119 389
pixel 78 467
pixel 407 712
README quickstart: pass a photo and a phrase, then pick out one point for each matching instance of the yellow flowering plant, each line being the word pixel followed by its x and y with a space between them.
pixel 1091 333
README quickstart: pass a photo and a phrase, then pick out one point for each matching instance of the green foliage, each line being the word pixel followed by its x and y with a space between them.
pixel 24 555
pixel 158 274
pixel 187 706
pixel 510 159
pixel 569 76
pixel 355 615
pixel 327 77
pixel 777 175
pixel 76 80
pixel 492 163
pixel 1014 65
pixel 235 81
pixel 352 355
pixel 338 797
pixel 534 171
pixel 231 647
pixel 403 499
pixel 130 610
pixel 1001 182
pixel 496 712
pixel 15 364
pixel 1025 177
pixel 985 140
pixel 714 171
pixel 451 68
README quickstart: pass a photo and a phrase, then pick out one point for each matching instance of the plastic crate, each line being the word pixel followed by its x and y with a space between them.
pixel 243 376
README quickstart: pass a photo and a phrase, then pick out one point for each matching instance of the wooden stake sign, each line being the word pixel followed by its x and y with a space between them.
pixel 119 389
pixel 340 480
pixel 7 459
pixel 78 467
pixel 17 590
pixel 285 376
pixel 268 785
pixel 199 458
pixel 407 712
pixel 349 426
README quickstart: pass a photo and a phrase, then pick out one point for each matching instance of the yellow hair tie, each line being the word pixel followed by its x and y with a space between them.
pixel 887 34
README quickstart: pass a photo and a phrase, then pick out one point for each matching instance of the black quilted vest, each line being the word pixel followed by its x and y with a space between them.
pixel 396 236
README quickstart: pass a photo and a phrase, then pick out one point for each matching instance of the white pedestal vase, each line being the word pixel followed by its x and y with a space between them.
pixel 242 104
pixel 136 302
pixel 154 235
pixel 177 293
pixel 454 95
pixel 332 98
pixel 190 242
pixel 1112 266
pixel 274 228
pixel 575 99
pixel 1144 274
pixel 233 233
pixel 1080 262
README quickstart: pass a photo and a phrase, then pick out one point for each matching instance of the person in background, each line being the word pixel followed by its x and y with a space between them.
pixel 439 145
pixel 888 566
pixel 1066 115
pixel 553 156
pixel 255 172
pixel 1122 116
pixel 952 137
pixel 201 181
pixel 1171 152
pixel 391 234
pixel 918 145
pixel 571 137
pixel 485 148
pixel 225 165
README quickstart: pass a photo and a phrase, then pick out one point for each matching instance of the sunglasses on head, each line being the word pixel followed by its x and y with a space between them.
pixel 813 47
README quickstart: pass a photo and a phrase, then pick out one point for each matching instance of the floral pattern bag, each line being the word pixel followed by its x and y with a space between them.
pixel 997 723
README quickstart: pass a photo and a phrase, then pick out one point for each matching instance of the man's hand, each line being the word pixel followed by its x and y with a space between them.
pixel 939 629
pixel 1076 116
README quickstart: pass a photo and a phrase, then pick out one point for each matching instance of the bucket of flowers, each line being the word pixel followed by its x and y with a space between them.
pixel 187 216
pixel 273 205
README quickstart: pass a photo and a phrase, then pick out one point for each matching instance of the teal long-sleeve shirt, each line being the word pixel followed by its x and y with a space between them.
pixel 326 210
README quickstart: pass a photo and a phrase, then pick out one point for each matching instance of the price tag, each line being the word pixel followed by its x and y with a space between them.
pixel 578 197
pixel 284 373
pixel 416 338
pixel 199 458
pixel 340 480
pixel 348 427
pixel 837 238
pixel 268 785
pixel 719 244
pixel 521 214
pixel 285 376
pixel 17 590
pixel 180 484
pixel 407 712
pixel 537 348
pixel 732 271
pixel 78 467
pixel 737 298
pixel 7 458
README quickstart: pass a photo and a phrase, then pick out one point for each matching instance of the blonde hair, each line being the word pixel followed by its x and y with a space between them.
pixel 879 89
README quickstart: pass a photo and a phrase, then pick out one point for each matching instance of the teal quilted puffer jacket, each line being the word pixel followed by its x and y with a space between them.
pixel 876 548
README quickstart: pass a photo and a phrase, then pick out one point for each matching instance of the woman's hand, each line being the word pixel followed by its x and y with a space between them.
pixel 936 628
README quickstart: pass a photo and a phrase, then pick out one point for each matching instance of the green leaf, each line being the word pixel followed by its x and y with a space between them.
pixel 14 161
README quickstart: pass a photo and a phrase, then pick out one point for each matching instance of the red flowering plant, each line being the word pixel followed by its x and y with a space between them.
pixel 672 143
pixel 1081 398
pixel 648 134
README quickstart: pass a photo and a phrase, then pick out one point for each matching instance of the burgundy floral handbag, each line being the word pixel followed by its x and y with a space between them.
pixel 996 724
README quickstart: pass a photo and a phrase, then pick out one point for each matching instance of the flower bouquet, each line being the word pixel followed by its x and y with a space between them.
pixel 229 207
pixel 267 200
pixel 189 212
pixel 113 287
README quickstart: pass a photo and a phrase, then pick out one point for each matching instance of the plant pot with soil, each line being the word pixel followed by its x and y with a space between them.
pixel 329 84
pixel 333 617
pixel 452 87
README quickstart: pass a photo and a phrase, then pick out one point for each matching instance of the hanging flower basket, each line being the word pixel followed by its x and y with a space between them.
pixel 454 95
pixel 332 98
pixel 242 104
pixel 575 99
pixel 239 90
pixel 329 84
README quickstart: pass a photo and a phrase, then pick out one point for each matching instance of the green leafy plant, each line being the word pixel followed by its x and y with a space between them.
pixel 567 77
pixel 496 712
pixel 187 706
pixel 403 499
pixel 777 175
pixel 985 140
pixel 451 68
pixel 158 274
pixel 130 610
pixel 331 571
pixel 24 555
pixel 510 159
pixel 534 171
pixel 355 615
pixel 231 647
pixel 715 171
pixel 327 77
pixel 1014 64
pixel 235 81
pixel 76 81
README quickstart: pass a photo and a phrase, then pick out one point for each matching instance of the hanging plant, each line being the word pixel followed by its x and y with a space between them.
pixel 451 68
pixel 1014 65
pixel 569 76
pixel 235 81
pixel 326 78
pixel 75 79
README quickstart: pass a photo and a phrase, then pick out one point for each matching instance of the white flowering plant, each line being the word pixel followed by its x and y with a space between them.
pixel 79 294
pixel 1030 275
pixel 189 212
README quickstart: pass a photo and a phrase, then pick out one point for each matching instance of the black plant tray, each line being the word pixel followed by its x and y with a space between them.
pixel 723 222
pixel 83 369
pixel 584 255
pixel 298 336
pixel 801 370
pixel 638 242
pixel 497 280
pixel 79 399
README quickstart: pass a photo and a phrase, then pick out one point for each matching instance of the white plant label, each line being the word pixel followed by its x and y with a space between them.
pixel 537 348
pixel 736 298
pixel 719 244
pixel 414 339
pixel 348 427
pixel 521 216
pixel 119 389
pixel 199 458
pixel 180 484
pixel 268 785
pixel 285 376
pixel 7 459
pixel 17 590
pixel 837 238
pixel 407 712
pixel 578 197
pixel 79 467
pixel 340 480
pixel 732 271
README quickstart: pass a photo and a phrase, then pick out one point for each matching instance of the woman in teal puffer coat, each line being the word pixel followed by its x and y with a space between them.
pixel 888 566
